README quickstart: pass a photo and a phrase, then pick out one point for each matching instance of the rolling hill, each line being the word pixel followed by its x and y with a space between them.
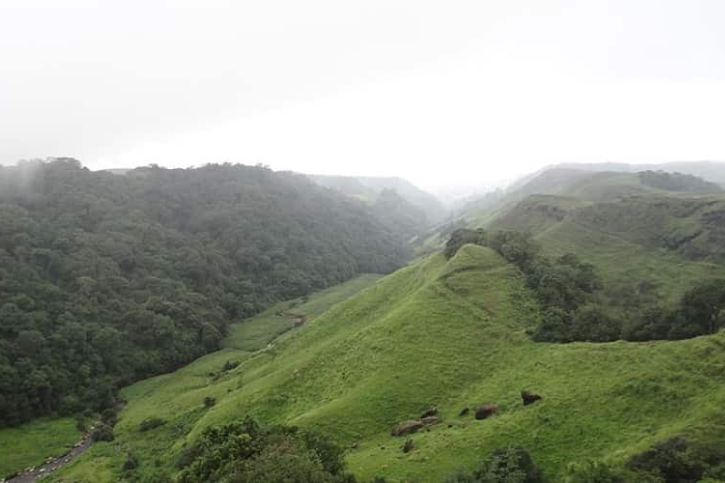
pixel 570 185
pixel 713 171
pixel 668 241
pixel 455 333
pixel 450 333
pixel 593 186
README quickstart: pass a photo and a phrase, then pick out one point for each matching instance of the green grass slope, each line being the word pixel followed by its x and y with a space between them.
pixel 450 333
pixel 584 186
pixel 669 242
pixel 30 444
pixel 543 198
pixel 178 396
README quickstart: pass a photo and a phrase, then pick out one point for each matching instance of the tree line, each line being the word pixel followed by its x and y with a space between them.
pixel 565 288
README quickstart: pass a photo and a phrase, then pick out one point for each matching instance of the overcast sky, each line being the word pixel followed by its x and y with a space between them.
pixel 437 92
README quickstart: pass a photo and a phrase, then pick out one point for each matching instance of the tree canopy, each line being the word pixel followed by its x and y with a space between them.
pixel 105 279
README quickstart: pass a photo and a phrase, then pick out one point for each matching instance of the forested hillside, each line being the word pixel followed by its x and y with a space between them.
pixel 105 279
pixel 413 202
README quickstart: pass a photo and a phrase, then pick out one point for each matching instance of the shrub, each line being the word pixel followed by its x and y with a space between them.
pixel 701 311
pixel 506 465
pixel 462 237
pixel 244 451
pixel 109 417
pixel 229 365
pixel 103 432
pixel 564 282
pixel 285 460
pixel 705 305
pixel 554 326
pixel 517 247
pixel 209 401
pixel 652 323
pixel 595 472
pixel 131 463
pixel 672 461
pixel 591 323
pixel 187 456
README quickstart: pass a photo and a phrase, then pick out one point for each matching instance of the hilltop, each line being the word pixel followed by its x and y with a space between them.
pixel 713 171
pixel 595 186
pixel 578 185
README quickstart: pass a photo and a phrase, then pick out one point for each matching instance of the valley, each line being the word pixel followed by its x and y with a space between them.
pixel 456 329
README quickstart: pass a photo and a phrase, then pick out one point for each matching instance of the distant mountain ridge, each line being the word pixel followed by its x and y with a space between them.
pixel 368 188
pixel 576 185
pixel 713 171
pixel 590 185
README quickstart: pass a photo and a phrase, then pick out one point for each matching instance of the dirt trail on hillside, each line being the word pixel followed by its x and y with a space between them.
pixel 34 474
pixel 297 319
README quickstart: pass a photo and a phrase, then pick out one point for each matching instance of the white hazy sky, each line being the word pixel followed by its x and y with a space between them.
pixel 439 92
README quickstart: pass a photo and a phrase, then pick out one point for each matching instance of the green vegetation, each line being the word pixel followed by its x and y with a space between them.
pixel 677 182
pixel 650 238
pixel 152 423
pixel 475 333
pixel 564 287
pixel 450 333
pixel 562 187
pixel 108 279
pixel 255 333
pixel 30 444
pixel 243 451
pixel 507 465
pixel 180 397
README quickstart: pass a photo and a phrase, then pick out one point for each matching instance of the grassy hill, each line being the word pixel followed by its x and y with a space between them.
pixel 451 333
pixel 587 186
pixel 541 199
pixel 710 170
pixel 668 242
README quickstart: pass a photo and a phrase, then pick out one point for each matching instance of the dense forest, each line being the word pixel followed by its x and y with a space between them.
pixel 424 206
pixel 106 279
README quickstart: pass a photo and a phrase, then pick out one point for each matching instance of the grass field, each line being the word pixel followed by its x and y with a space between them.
pixel 449 333
pixel 257 332
pixel 30 444
pixel 178 397
pixel 623 264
